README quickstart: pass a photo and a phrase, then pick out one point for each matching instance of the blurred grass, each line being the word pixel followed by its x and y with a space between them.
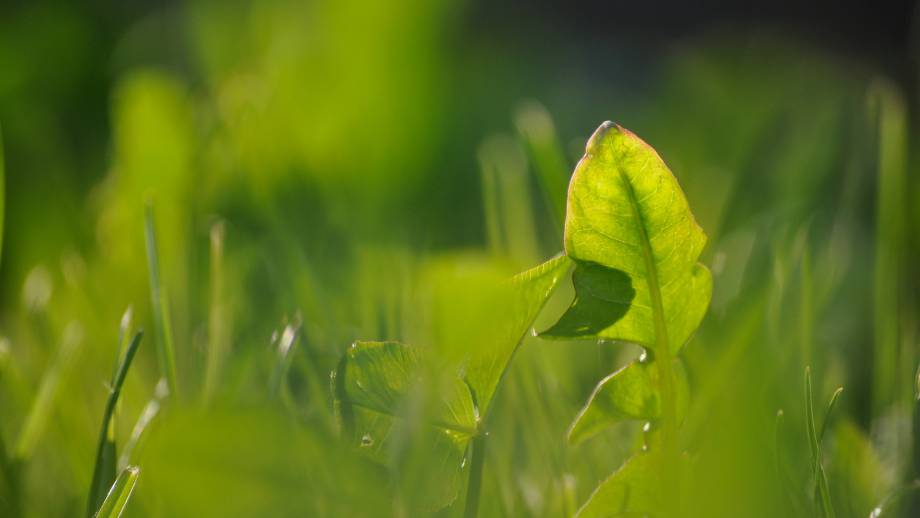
pixel 345 165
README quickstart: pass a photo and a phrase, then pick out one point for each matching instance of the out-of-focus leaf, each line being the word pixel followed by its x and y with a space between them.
pixel 629 393
pixel 635 242
pixel 375 385
pixel 856 474
pixel 117 498
pixel 377 376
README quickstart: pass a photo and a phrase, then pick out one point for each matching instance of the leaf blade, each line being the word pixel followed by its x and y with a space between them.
pixel 627 213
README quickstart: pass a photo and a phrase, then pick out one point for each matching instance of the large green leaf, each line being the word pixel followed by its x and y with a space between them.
pixel 635 242
pixel 629 393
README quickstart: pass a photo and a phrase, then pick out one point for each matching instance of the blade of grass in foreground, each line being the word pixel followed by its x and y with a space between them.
pixel 159 304
pixel 117 498
pixel 104 471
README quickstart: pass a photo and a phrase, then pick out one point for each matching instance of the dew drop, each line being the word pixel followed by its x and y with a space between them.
pixel 367 441
pixel 646 428
pixel 643 357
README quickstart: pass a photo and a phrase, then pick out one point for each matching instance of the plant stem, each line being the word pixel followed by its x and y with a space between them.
pixel 475 482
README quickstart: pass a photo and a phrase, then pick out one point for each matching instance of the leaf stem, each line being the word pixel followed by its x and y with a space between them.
pixel 475 482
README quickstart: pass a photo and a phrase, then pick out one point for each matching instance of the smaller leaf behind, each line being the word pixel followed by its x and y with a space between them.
pixel 380 390
pixel 630 393
pixel 632 491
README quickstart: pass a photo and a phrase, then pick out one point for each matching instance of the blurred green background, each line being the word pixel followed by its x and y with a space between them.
pixel 350 165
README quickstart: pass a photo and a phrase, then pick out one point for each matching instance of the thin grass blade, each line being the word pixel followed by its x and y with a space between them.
pixel 117 498
pixel 823 499
pixel 104 470
pixel 159 303
pixel 37 419
pixel 285 354
pixel 139 434
pixel 536 129
pixel 827 414
pixel 217 325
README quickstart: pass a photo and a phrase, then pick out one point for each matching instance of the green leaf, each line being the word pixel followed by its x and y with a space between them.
pixel 521 301
pixel 632 491
pixel 106 456
pixel 117 498
pixel 635 243
pixel 375 385
pixel 629 393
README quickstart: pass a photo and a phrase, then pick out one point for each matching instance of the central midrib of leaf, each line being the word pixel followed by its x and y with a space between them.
pixel 651 277
pixel 663 351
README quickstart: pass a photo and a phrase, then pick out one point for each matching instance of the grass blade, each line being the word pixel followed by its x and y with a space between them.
pixel 217 325
pixel 117 498
pixel 159 304
pixel 821 486
pixel 47 393
pixel 2 190
pixel 138 434
pixel 104 471
pixel 827 414
pixel 889 380
pixel 285 355
pixel 507 201
pixel 535 126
